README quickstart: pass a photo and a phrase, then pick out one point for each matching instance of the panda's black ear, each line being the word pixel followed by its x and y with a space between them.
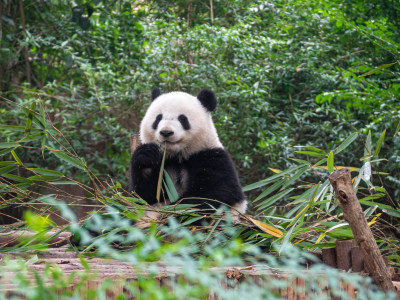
pixel 155 92
pixel 207 99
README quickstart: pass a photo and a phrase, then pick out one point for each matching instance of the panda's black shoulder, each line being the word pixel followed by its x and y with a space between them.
pixel 212 156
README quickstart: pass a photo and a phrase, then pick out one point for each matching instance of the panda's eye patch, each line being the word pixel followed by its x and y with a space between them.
pixel 158 119
pixel 184 121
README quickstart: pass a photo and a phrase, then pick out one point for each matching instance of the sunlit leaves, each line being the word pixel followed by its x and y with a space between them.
pixel 267 228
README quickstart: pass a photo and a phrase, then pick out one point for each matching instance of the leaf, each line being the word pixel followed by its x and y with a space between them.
pixel 43 178
pixel 46 172
pixel 268 202
pixel 267 228
pixel 170 188
pixel 379 144
pixel 287 238
pixel 30 116
pixel 73 161
pixel 351 169
pixel 312 148
pixel 275 170
pixel 296 176
pixel 17 178
pixel 269 190
pixel 31 138
pixel 9 145
pixel 160 176
pixel 6 151
pixel 381 67
pixel 271 179
pixel 350 139
pixel 397 129
pixel 7 163
pixel 330 163
pixel 16 158
pixel 311 153
pixel 374 219
pixel 7 169
pixel 322 235
pixel 16 128
pixel 368 144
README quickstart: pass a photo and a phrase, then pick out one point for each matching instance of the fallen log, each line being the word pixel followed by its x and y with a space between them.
pixel 353 214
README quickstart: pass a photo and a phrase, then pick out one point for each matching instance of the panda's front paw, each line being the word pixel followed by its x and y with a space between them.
pixel 146 157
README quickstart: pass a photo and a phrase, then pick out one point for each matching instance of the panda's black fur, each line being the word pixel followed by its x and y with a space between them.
pixel 200 167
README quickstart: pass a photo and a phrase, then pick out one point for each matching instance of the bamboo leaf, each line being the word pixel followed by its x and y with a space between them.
pixel 350 139
pixel 296 176
pixel 379 144
pixel 368 144
pixel 312 149
pixel 17 178
pixel 7 169
pixel 269 190
pixel 169 186
pixel 271 179
pixel 9 145
pixel 43 178
pixel 276 171
pixel 73 161
pixel 16 128
pixel 287 238
pixel 30 116
pixel 268 202
pixel 322 235
pixel 381 67
pixel 16 158
pixel 311 153
pixel 31 138
pixel 8 163
pixel 46 172
pixel 397 129
pixel 330 163
pixel 6 151
pixel 267 228
pixel 160 176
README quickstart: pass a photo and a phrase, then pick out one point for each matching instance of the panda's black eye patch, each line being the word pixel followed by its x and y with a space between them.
pixel 184 121
pixel 158 119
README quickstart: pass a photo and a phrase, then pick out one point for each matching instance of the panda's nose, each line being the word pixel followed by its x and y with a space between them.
pixel 166 133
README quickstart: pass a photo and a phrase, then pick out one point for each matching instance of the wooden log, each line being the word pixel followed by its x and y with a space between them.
pixel 357 259
pixel 12 238
pixel 353 214
pixel 343 253
pixel 329 257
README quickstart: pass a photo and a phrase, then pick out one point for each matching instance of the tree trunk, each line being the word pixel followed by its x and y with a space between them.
pixel 353 214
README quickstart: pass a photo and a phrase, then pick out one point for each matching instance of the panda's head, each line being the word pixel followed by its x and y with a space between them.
pixel 180 123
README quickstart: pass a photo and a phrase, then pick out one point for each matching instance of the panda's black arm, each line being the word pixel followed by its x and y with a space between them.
pixel 144 172
pixel 212 175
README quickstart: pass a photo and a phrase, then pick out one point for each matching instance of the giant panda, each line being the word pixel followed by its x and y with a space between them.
pixel 200 167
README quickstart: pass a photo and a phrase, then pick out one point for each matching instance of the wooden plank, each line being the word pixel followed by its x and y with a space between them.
pixel 329 257
pixel 357 260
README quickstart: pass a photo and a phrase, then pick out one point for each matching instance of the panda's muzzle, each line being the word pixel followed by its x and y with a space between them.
pixel 166 133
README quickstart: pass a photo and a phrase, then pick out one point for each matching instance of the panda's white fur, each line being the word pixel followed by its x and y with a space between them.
pixel 202 134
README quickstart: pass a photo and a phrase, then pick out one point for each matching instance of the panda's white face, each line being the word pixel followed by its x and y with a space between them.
pixel 179 123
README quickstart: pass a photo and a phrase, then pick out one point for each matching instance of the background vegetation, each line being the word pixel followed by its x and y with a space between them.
pixel 304 86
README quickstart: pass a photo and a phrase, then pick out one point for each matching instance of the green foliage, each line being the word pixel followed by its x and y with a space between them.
pixel 285 73
pixel 311 216
pixel 196 261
